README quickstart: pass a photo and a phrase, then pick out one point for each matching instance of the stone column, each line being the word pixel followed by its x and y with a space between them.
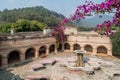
pixel 47 51
pixel 4 61
pixel 36 54
pixel 109 52
pixel 22 57
pixel 94 51
pixel 56 50
pixel 71 48
pixel 82 48
pixel 80 62
pixel 62 47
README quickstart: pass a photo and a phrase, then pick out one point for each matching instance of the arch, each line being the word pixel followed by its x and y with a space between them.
pixel 52 48
pixel 67 46
pixel 76 47
pixel 13 57
pixel 59 49
pixel 43 79
pixel 0 60
pixel 30 53
pixel 42 51
pixel 101 49
pixel 88 48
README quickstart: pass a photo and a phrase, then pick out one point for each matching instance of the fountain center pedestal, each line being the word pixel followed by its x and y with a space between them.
pixel 79 62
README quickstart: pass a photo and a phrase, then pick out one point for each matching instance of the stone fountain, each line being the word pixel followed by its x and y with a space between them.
pixel 79 62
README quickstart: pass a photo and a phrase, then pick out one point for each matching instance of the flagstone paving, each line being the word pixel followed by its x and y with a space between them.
pixel 62 73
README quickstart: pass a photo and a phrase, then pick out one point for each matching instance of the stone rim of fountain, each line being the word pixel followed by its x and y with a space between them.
pixel 79 51
pixel 80 55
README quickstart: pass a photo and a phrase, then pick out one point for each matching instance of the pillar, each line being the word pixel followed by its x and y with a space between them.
pixel 71 48
pixel 22 57
pixel 47 51
pixel 82 48
pixel 94 51
pixel 80 62
pixel 56 50
pixel 62 47
pixel 36 54
pixel 109 52
pixel 4 61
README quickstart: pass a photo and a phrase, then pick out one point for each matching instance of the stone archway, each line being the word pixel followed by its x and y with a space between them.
pixel 43 79
pixel 30 53
pixel 101 50
pixel 13 57
pixel 76 47
pixel 59 49
pixel 42 51
pixel 0 60
pixel 52 48
pixel 67 46
pixel 88 48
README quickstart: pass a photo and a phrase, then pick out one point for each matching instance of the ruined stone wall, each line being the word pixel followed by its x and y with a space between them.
pixel 22 44
pixel 9 45
pixel 93 41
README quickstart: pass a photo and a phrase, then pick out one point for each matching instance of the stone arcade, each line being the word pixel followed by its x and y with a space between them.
pixel 20 47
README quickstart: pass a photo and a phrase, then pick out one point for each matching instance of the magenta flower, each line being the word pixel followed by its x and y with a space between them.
pixel 90 8
pixel 66 20
pixel 74 17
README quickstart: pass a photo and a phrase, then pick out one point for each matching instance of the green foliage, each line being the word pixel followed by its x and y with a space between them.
pixel 22 25
pixel 84 29
pixel 5 28
pixel 38 13
pixel 116 43
pixel 28 19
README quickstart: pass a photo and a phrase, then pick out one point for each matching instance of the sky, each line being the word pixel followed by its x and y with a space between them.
pixel 65 7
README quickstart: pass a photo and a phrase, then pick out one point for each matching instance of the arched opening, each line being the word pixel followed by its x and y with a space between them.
pixel 101 50
pixel 30 53
pixel 43 79
pixel 88 48
pixel 13 57
pixel 0 60
pixel 76 47
pixel 52 48
pixel 59 49
pixel 42 51
pixel 67 46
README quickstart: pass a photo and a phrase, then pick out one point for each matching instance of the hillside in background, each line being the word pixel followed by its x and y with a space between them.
pixel 38 13
pixel 93 21
pixel 28 19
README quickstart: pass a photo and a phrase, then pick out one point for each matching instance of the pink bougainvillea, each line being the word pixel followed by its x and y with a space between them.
pixel 59 35
pixel 90 8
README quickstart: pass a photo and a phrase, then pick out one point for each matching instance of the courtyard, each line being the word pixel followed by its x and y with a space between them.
pixel 47 40
pixel 57 72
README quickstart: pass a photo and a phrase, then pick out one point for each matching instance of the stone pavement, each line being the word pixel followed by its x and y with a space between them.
pixel 62 73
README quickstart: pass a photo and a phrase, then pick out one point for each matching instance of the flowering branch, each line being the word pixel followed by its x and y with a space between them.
pixel 90 8
pixel 59 35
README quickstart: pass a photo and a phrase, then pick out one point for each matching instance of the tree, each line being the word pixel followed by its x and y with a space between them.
pixel 116 43
pixel 59 35
pixel 37 26
pixel 22 25
pixel 37 13
pixel 5 28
